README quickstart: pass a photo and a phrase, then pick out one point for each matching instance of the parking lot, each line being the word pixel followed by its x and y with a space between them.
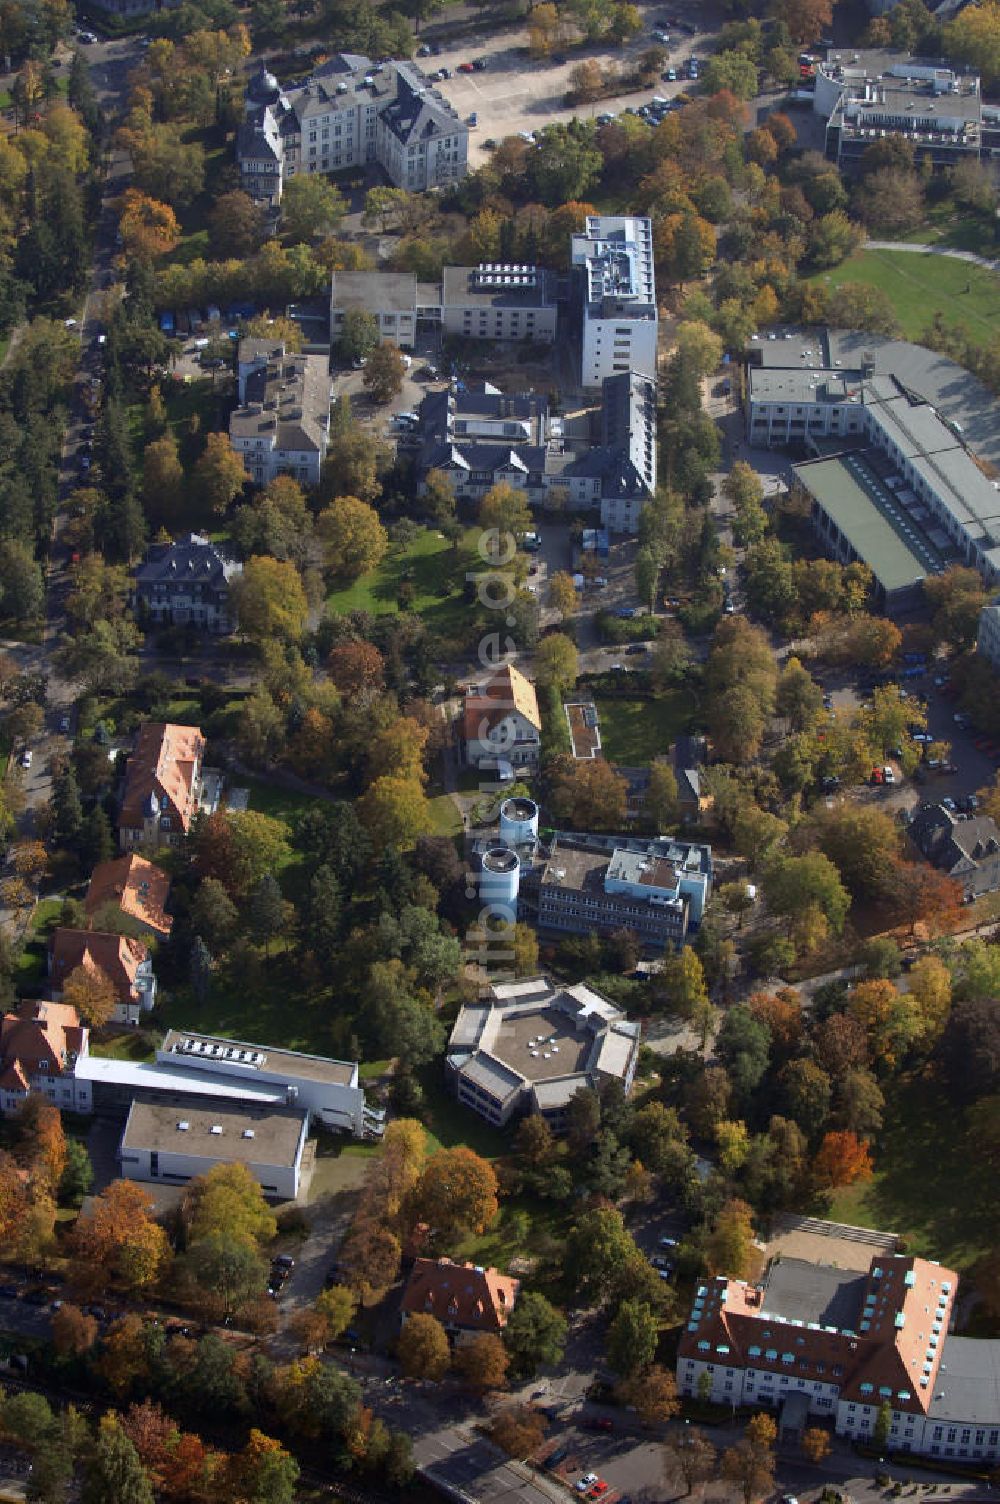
pixel 518 93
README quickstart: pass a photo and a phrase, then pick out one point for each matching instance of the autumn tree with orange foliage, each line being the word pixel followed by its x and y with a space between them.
pixel 41 1142
pixel 920 894
pixel 457 1190
pixel 149 228
pixel 117 1239
pixel 781 1013
pixel 483 1362
pixel 815 1444
pixel 124 1356
pixel 356 667
pixel 518 1430
pixel 370 1257
pixel 423 1349
pixel 399 751
pixel 842 1159
pixel 73 1331
pixel 263 1470
pixel 92 993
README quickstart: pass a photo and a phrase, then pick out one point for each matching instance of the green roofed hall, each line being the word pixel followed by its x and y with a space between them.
pixel 859 519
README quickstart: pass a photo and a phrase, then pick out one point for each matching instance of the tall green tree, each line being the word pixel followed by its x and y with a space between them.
pixel 113 1469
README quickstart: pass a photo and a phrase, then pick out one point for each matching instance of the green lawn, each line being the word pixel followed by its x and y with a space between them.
pixel 258 1008
pixel 927 1186
pixel 31 960
pixel 522 1224
pixel 436 571
pixel 921 286
pixel 959 229
pixel 445 819
pixel 634 732
pixel 270 799
pixel 449 1124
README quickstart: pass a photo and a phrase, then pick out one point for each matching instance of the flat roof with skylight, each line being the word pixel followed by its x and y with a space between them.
pixel 219 1132
pixel 540 1043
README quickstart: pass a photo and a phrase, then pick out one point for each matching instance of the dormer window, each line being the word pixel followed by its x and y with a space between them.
pixel 43 1066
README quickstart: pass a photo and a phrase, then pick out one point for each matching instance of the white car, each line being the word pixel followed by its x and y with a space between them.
pixel 587 1481
pixel 888 775
pixel 26 756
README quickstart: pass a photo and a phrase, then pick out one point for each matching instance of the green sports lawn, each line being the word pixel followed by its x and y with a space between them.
pixel 921 285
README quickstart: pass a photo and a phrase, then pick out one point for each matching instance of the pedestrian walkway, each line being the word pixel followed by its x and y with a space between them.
pixel 920 247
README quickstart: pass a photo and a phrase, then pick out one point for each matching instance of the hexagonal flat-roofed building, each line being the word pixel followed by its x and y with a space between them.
pixel 529 1046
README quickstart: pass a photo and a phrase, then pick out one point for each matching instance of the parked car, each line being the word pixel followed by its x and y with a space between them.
pixel 634 649
pixel 586 1482
pixel 888 776
pixel 26 758
pixel 479 64
pixel 466 68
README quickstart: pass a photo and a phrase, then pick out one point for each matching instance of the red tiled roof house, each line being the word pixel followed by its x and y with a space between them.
pixel 819 1341
pixel 467 1299
pixel 124 960
pixel 135 887
pixel 39 1046
pixel 162 785
pixel 501 720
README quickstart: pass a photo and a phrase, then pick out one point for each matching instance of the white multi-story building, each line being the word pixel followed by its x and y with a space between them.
pixel 839 1344
pixel 169 1145
pixel 479 436
pixel 618 293
pixel 912 492
pixel 44 1047
pixel 282 426
pixel 531 1045
pixel 865 96
pixel 350 112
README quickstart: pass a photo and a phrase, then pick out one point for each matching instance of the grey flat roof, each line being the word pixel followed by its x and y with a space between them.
pixel 872 536
pixel 801 1291
pixel 388 292
pixel 288 1063
pixel 953 391
pixel 458 290
pixel 540 1043
pixel 249 1136
pixel 967 1386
